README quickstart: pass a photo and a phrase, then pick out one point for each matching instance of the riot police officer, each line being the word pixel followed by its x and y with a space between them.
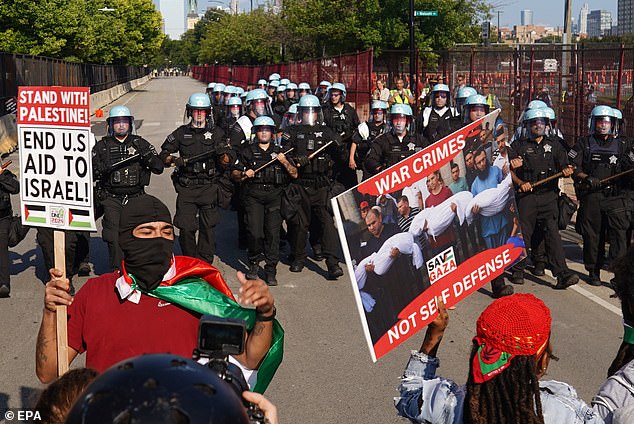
pixel 9 184
pixel 303 89
pixel 396 144
pixel 461 96
pixel 218 101
pixel 314 146
pixel 534 158
pixel 232 114
pixel 437 119
pixel 117 180
pixel 264 171
pixel 366 133
pixel 343 120
pixel 605 206
pixel 203 158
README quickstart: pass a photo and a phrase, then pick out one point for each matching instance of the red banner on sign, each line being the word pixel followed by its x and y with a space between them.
pixel 54 106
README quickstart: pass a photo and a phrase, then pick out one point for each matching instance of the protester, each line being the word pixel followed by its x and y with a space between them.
pixel 137 322
pixel 510 354
pixel 382 92
pixel 9 184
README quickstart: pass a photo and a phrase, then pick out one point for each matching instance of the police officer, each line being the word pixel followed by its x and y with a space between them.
pixel 604 204
pixel 233 112
pixel 263 182
pixel 437 119
pixel 203 158
pixel 9 184
pixel 461 96
pixel 303 89
pixel 314 164
pixel 534 158
pixel 322 90
pixel 396 144
pixel 340 117
pixel 117 181
pixel 291 95
pixel 366 133
pixel 218 101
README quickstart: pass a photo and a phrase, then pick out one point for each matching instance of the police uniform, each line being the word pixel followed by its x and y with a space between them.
pixel 115 184
pixel 313 185
pixel 196 185
pixel 9 184
pixel 608 207
pixel 344 123
pixel 363 145
pixel 435 126
pixel 261 196
pixel 538 210
pixel 388 150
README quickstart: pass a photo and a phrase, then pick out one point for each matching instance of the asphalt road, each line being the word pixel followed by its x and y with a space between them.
pixel 327 375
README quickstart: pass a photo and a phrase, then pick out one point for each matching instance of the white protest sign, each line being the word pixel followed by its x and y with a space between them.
pixel 55 157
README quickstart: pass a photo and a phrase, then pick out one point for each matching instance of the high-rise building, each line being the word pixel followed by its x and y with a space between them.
pixel 599 23
pixel 526 17
pixel 174 13
pixel 625 17
pixel 234 6
pixel 583 19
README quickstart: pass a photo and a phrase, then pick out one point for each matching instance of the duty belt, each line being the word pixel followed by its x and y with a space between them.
pixel 186 181
pixel 122 195
pixel 266 187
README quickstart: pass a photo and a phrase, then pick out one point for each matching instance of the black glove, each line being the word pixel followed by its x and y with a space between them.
pixel 301 160
pixel 179 161
pixel 593 183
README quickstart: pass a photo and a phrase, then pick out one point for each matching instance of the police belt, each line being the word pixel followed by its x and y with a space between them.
pixel 187 181
pixel 318 182
pixel 123 195
pixel 262 186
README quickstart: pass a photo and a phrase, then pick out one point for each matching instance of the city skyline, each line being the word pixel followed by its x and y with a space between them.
pixel 544 13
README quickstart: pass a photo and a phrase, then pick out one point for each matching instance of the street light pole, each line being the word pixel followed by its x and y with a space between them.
pixel 499 32
pixel 412 47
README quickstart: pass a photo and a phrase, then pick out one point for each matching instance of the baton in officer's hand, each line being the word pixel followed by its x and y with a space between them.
pixel 316 152
pixel 5 166
pixel 125 161
pixel 615 176
pixel 273 160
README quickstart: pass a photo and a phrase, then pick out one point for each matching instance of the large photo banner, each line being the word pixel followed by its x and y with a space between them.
pixel 442 222
pixel 55 157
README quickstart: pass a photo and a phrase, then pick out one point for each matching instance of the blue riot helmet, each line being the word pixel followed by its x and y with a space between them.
pixel 258 103
pixel 536 122
pixel 462 95
pixel 304 88
pixel 159 388
pixel 239 90
pixel 291 90
pixel 290 117
pixel 260 124
pixel 309 111
pixel 401 118
pixel 234 107
pixel 337 87
pixel 228 92
pixel 285 81
pixel 199 102
pixel 443 94
pixel 618 121
pixel 274 77
pixel 218 98
pixel 280 89
pixel 210 88
pixel 378 111
pixel 322 89
pixel 474 107
pixel 602 121
pixel 262 83
pixel 536 104
pixel 272 87
pixel 120 121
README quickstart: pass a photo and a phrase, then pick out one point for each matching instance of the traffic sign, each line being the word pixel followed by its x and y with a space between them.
pixel 425 13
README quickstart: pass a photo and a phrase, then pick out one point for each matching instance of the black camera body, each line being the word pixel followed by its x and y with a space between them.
pixel 217 339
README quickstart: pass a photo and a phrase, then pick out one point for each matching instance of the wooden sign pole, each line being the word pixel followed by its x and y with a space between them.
pixel 62 335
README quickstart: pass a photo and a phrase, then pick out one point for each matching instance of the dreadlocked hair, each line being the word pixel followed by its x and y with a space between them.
pixel 623 269
pixel 510 397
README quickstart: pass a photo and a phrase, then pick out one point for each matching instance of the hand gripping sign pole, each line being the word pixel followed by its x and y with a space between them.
pixel 56 172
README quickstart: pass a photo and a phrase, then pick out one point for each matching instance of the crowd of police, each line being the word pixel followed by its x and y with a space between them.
pixel 280 152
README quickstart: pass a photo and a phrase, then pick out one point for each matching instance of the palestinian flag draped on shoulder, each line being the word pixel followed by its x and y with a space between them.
pixel 199 287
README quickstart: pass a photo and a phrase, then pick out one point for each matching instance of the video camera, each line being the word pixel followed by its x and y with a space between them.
pixel 217 339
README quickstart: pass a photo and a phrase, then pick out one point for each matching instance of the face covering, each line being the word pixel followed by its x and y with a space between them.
pixel 147 259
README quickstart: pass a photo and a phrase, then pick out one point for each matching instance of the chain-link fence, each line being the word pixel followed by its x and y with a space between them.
pixel 570 78
pixel 25 70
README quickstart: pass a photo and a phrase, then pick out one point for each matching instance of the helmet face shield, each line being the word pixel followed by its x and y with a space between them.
pixel 120 126
pixel 309 115
pixel 537 127
pixel 474 112
pixel 378 115
pixel 400 123
pixel 602 125
pixel 260 107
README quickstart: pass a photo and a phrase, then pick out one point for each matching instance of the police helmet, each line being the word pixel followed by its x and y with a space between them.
pixel 338 86
pixel 121 112
pixel 378 104
pixel 256 94
pixel 325 83
pixel 264 121
pixel 274 83
pixel 239 90
pixel 536 104
pixel 399 110
pixel 471 102
pixel 234 101
pixel 465 92
pixel 289 117
pixel 617 114
pixel 229 90
pixel 532 114
pixel 274 76
pixel 291 86
pixel 210 87
pixel 285 81
pixel 253 96
pixel 440 87
pixel 199 101
pixel 262 83
pixel 292 109
pixel 219 87
pixel 157 388
pixel 602 113
pixel 306 106
pixel 550 113
pixel 280 89
pixel 304 86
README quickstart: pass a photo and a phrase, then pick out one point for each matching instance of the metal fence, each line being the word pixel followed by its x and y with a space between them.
pixel 354 70
pixel 25 70
pixel 573 78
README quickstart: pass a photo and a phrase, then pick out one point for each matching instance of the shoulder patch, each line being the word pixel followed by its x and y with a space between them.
pixel 572 154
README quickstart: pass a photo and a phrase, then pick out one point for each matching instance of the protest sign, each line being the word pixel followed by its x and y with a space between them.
pixel 458 230
pixel 55 157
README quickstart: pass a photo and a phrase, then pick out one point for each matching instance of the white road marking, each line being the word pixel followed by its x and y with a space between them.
pixel 151 124
pixel 596 299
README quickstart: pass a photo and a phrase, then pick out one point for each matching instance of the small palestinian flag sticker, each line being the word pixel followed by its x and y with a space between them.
pixel 79 218
pixel 35 213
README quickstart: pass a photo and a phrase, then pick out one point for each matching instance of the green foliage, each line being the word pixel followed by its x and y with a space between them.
pixel 75 30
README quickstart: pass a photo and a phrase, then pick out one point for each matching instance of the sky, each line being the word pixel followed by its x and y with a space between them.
pixel 546 12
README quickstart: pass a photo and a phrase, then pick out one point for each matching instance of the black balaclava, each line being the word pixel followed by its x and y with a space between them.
pixel 147 259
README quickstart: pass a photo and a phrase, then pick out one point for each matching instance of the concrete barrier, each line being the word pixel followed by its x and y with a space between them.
pixel 102 98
